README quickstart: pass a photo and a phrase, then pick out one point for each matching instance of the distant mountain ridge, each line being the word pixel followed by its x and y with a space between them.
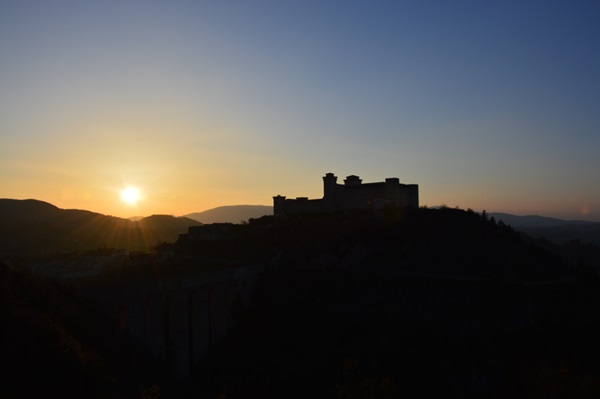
pixel 231 213
pixel 32 227
pixel 556 230
pixel 533 220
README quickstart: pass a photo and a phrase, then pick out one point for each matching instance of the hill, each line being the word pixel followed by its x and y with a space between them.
pixel 31 227
pixel 419 303
pixel 231 213
pixel 535 221
pixel 557 231
pixel 164 228
pixel 431 303
pixel 433 241
pixel 527 221
pixel 586 233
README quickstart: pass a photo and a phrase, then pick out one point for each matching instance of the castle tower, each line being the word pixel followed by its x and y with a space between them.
pixel 278 205
pixel 329 189
pixel 352 180
pixel 414 195
pixel 393 195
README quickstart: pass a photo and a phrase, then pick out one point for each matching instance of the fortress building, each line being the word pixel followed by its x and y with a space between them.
pixel 353 194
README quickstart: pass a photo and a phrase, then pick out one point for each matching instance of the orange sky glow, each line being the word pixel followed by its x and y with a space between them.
pixel 203 104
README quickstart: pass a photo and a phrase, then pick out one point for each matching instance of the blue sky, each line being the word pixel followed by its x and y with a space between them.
pixel 488 105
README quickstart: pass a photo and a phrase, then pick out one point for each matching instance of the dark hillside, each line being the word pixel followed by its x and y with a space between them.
pixel 433 303
pixel 33 228
pixel 231 213
pixel 445 241
pixel 167 228
pixel 461 243
pixel 356 335
pixel 56 344
pixel 586 233
pixel 577 242
pixel 26 210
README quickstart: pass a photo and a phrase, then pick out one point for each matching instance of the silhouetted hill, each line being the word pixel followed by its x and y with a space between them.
pixel 31 227
pixel 431 303
pixel 527 221
pixel 556 230
pixel 26 210
pixel 586 233
pixel 231 213
pixel 444 241
pixel 160 228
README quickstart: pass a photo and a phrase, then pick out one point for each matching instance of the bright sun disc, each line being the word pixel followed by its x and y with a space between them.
pixel 130 195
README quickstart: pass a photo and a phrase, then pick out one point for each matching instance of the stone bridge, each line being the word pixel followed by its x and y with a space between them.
pixel 178 318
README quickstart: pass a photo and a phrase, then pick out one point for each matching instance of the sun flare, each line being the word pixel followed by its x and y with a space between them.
pixel 131 195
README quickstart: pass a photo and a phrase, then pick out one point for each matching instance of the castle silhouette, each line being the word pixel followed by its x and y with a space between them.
pixel 353 194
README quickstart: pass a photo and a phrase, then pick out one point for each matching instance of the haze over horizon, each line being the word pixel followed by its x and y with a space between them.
pixel 485 105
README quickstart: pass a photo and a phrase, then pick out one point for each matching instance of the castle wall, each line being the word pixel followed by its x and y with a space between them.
pixel 413 194
pixel 302 205
pixel 365 196
pixel 351 195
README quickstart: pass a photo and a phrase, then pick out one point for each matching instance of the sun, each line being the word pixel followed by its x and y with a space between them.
pixel 131 195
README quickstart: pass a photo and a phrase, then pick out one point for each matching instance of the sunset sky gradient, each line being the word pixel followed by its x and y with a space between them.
pixel 489 105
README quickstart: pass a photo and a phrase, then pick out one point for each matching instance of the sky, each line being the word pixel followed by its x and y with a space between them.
pixel 488 105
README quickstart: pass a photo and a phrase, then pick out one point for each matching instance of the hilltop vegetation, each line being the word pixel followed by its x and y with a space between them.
pixel 444 241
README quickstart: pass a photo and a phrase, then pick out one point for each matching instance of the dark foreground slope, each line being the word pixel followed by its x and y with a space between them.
pixel 54 343
pixel 439 303
pixel 332 334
